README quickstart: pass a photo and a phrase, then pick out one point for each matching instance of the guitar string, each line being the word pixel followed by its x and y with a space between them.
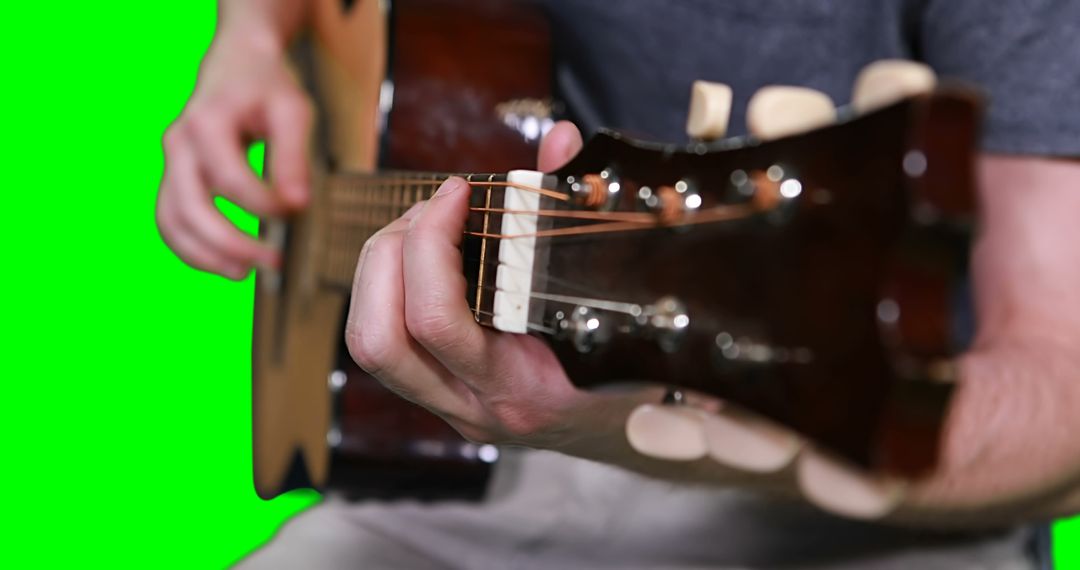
pixel 624 221
pixel 632 309
pixel 349 214
pixel 545 276
pixel 538 327
pixel 384 184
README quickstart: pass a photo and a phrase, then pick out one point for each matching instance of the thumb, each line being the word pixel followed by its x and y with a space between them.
pixel 560 144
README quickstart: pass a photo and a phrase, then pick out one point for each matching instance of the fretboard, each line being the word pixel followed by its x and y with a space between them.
pixel 358 205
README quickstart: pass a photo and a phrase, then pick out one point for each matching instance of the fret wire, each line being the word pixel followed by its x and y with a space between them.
pixel 399 199
pixel 351 234
pixel 368 202
pixel 369 194
pixel 483 250
pixel 395 211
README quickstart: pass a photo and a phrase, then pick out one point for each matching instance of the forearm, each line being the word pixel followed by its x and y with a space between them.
pixel 1010 450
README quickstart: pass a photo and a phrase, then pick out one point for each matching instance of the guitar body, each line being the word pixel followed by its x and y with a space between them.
pixel 436 85
pixel 810 277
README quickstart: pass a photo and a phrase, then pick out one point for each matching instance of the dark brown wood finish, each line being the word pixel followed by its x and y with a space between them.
pixel 454 65
pixel 850 285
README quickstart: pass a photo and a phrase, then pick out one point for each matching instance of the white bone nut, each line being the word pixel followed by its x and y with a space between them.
pixel 710 110
pixel 889 80
pixel 779 111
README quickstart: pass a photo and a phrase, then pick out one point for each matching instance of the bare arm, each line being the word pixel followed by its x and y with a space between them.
pixel 271 23
pixel 1012 434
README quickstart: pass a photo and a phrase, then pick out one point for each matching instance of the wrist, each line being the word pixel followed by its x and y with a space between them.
pixel 252 36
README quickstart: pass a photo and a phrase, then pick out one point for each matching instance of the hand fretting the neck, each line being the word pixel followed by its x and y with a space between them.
pixel 499 250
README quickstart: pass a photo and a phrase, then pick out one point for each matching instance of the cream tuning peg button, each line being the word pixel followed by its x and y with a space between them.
pixel 779 111
pixel 710 110
pixel 741 440
pixel 675 433
pixel 887 81
pixel 844 490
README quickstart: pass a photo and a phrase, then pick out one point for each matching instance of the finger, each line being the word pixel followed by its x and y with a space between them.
pixel 223 161
pixel 379 342
pixel 289 121
pixel 560 144
pixel 674 433
pixel 744 441
pixel 189 248
pixel 436 312
pixel 844 490
pixel 199 218
pixel 398 225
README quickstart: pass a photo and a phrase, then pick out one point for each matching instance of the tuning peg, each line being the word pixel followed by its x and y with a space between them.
pixel 778 111
pixel 710 110
pixel 844 490
pixel 674 433
pixel 889 80
pixel 753 444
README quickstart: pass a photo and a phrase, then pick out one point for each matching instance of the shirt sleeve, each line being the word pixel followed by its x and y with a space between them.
pixel 1025 55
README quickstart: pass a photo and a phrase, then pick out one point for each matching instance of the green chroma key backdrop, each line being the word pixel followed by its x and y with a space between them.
pixel 125 375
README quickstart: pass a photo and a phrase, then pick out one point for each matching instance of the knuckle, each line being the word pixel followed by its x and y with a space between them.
pixel 476 434
pixel 233 181
pixel 164 220
pixel 518 422
pixel 432 327
pixel 372 349
pixel 173 138
pixel 183 216
pixel 376 245
pixel 374 248
pixel 204 122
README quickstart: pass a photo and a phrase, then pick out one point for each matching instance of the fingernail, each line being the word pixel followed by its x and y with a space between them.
pixel 448 187
pixel 667 432
pixel 748 443
pixel 846 491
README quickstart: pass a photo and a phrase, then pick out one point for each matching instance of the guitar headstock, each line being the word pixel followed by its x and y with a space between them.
pixel 805 272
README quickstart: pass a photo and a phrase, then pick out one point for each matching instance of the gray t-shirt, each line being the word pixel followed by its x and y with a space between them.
pixel 629 64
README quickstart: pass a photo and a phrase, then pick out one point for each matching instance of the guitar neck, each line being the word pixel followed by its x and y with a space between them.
pixel 356 205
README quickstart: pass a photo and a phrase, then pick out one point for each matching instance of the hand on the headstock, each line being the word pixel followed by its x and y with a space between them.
pixel 736 439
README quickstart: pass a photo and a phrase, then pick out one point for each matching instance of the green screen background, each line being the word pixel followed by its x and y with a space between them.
pixel 125 405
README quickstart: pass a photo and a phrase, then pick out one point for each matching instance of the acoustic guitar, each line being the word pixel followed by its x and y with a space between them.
pixel 807 273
